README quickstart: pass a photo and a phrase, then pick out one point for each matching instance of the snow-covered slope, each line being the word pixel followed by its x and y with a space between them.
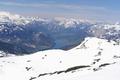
pixel 93 59
pixel 5 54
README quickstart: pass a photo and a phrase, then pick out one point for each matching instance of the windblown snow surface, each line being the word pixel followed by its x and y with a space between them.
pixel 93 59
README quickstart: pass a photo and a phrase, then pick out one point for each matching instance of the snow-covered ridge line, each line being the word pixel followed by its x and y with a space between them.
pixel 6 17
pixel 17 19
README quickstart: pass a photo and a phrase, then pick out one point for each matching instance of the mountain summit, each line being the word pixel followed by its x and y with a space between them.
pixel 6 17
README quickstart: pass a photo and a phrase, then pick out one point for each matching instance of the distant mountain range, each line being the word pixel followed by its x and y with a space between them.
pixel 25 35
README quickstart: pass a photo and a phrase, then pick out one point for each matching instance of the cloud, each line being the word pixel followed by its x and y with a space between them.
pixel 50 5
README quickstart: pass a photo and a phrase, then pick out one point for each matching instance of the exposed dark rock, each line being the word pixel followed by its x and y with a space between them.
pixel 115 56
pixel 97 60
pixel 105 64
pixel 64 71
pixel 43 74
pixel 75 68
pixel 28 60
pixel 28 68
pixel 32 78
pixel 95 69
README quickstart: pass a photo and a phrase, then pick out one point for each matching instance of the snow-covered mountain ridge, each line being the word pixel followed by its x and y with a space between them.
pixel 93 59
pixel 15 18
pixel 6 17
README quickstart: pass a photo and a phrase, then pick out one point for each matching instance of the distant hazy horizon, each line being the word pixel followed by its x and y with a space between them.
pixel 99 10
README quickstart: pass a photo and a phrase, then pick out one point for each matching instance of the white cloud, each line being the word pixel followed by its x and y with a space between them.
pixel 51 5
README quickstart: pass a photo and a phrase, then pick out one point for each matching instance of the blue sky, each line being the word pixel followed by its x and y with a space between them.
pixel 87 9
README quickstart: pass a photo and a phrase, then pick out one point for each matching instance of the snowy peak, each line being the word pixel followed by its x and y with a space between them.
pixel 68 22
pixel 71 22
pixel 115 26
pixel 6 17
pixel 9 15
pixel 93 42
